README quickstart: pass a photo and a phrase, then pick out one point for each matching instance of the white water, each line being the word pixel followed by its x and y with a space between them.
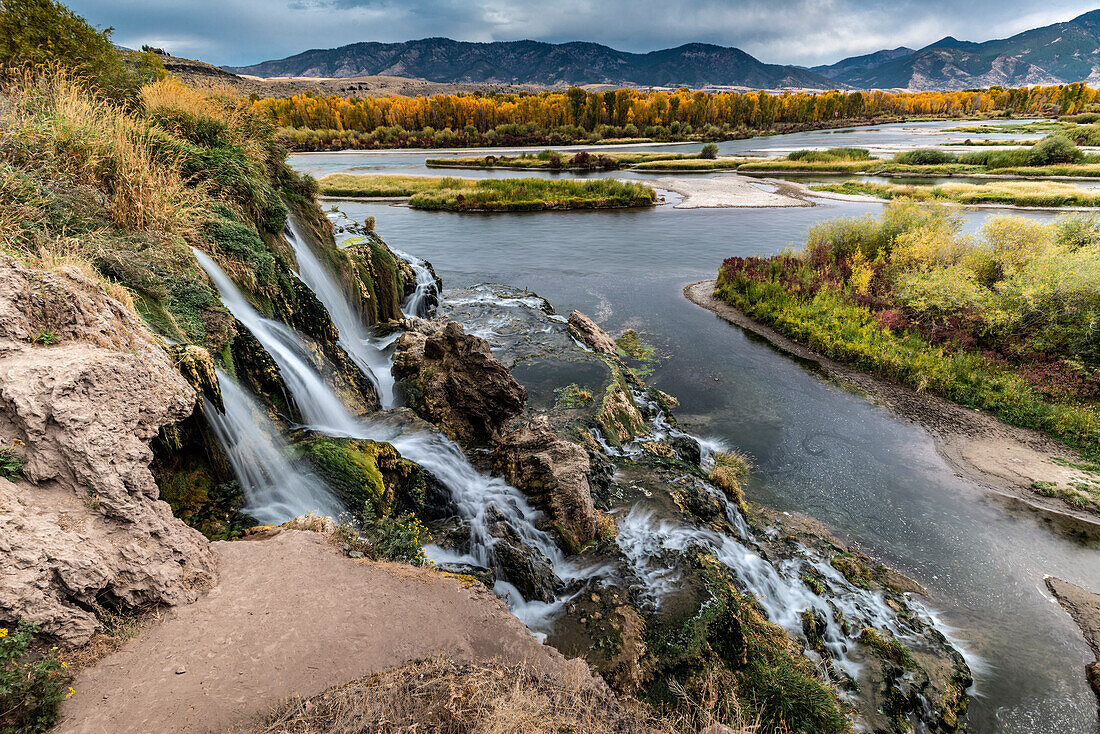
pixel 355 337
pixel 476 495
pixel 314 398
pixel 274 489
pixel 419 302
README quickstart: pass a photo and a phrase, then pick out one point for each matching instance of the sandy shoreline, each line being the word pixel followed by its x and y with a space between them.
pixel 1001 458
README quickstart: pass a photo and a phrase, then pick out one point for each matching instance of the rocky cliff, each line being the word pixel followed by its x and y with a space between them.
pixel 84 388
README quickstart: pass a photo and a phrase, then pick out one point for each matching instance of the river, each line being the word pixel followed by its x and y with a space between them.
pixel 818 448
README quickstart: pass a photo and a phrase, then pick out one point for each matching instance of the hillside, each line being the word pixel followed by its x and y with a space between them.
pixel 1055 54
pixel 533 62
pixel 855 65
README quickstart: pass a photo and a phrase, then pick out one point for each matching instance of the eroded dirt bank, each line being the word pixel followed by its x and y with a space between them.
pixel 992 454
pixel 291 616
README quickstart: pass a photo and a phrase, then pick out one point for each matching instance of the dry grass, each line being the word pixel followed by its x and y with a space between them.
pixel 444 697
pixel 100 145
pixel 729 470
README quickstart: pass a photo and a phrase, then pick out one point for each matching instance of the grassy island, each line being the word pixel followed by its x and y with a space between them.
pixel 493 195
pixel 1047 194
pixel 1005 321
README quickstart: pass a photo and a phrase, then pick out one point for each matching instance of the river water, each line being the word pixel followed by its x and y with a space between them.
pixel 818 448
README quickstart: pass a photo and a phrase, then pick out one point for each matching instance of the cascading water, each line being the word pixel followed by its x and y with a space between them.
pixel 274 489
pixel 422 301
pixel 366 350
pixel 314 398
pixel 778 587
pixel 476 496
pixel 482 501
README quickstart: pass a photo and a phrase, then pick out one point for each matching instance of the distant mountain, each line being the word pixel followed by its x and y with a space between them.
pixel 860 64
pixel 534 62
pixel 1054 54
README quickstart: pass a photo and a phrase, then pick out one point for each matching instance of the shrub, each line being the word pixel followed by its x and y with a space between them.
pixel 1053 149
pixel 30 690
pixel 11 464
pixel 709 151
pixel 387 537
pixel 925 157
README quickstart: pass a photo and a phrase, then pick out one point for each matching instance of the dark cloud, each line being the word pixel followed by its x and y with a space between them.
pixel 776 31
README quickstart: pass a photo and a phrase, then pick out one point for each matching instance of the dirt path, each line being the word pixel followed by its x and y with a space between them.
pixel 290 616
pixel 992 454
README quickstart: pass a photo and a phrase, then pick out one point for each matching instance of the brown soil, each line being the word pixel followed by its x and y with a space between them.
pixel 292 617
pixel 979 447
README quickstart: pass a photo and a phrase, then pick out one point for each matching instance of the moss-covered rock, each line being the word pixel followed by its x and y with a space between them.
pixel 372 477
pixel 762 674
pixel 619 419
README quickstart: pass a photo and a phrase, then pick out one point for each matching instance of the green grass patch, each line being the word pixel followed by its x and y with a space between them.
pixel 495 195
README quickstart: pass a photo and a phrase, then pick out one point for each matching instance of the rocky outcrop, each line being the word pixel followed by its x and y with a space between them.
pixel 590 334
pixel 1084 607
pixel 554 473
pixel 83 390
pixel 451 379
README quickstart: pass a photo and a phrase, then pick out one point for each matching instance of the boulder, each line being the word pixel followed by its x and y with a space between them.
pixel 522 565
pixel 590 334
pixel 84 388
pixel 451 378
pixel 554 473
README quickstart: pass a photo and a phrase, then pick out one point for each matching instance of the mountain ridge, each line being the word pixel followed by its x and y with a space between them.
pixel 576 62
pixel 1058 53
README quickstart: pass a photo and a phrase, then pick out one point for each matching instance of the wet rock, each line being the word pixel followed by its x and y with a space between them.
pixel 619 418
pixel 687 449
pixel 554 473
pixel 451 379
pixel 590 334
pixel 371 476
pixel 83 525
pixel 526 568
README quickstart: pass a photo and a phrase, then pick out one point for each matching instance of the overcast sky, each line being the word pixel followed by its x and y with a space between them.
pixel 240 32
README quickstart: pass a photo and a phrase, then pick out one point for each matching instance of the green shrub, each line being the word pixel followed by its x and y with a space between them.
pixel 42 33
pixel 11 464
pixel 387 537
pixel 1053 149
pixel 30 690
pixel 709 151
pixel 925 157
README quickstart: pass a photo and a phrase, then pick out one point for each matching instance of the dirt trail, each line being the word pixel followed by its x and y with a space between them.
pixel 992 454
pixel 290 616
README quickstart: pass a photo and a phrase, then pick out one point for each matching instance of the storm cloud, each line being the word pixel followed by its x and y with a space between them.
pixel 239 32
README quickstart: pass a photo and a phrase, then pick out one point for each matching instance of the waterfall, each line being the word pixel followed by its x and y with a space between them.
pixel 274 489
pixel 313 396
pixel 355 337
pixel 476 495
pixel 425 298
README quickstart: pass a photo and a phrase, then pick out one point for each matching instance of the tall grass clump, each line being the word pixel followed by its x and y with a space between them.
pixel 126 190
pixel 1007 320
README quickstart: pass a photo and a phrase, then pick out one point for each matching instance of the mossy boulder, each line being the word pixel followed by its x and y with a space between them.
pixel 728 646
pixel 373 478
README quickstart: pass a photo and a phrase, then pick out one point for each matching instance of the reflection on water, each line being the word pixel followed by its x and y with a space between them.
pixel 818 448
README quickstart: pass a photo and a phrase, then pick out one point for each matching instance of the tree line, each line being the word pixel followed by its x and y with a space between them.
pixel 578 113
